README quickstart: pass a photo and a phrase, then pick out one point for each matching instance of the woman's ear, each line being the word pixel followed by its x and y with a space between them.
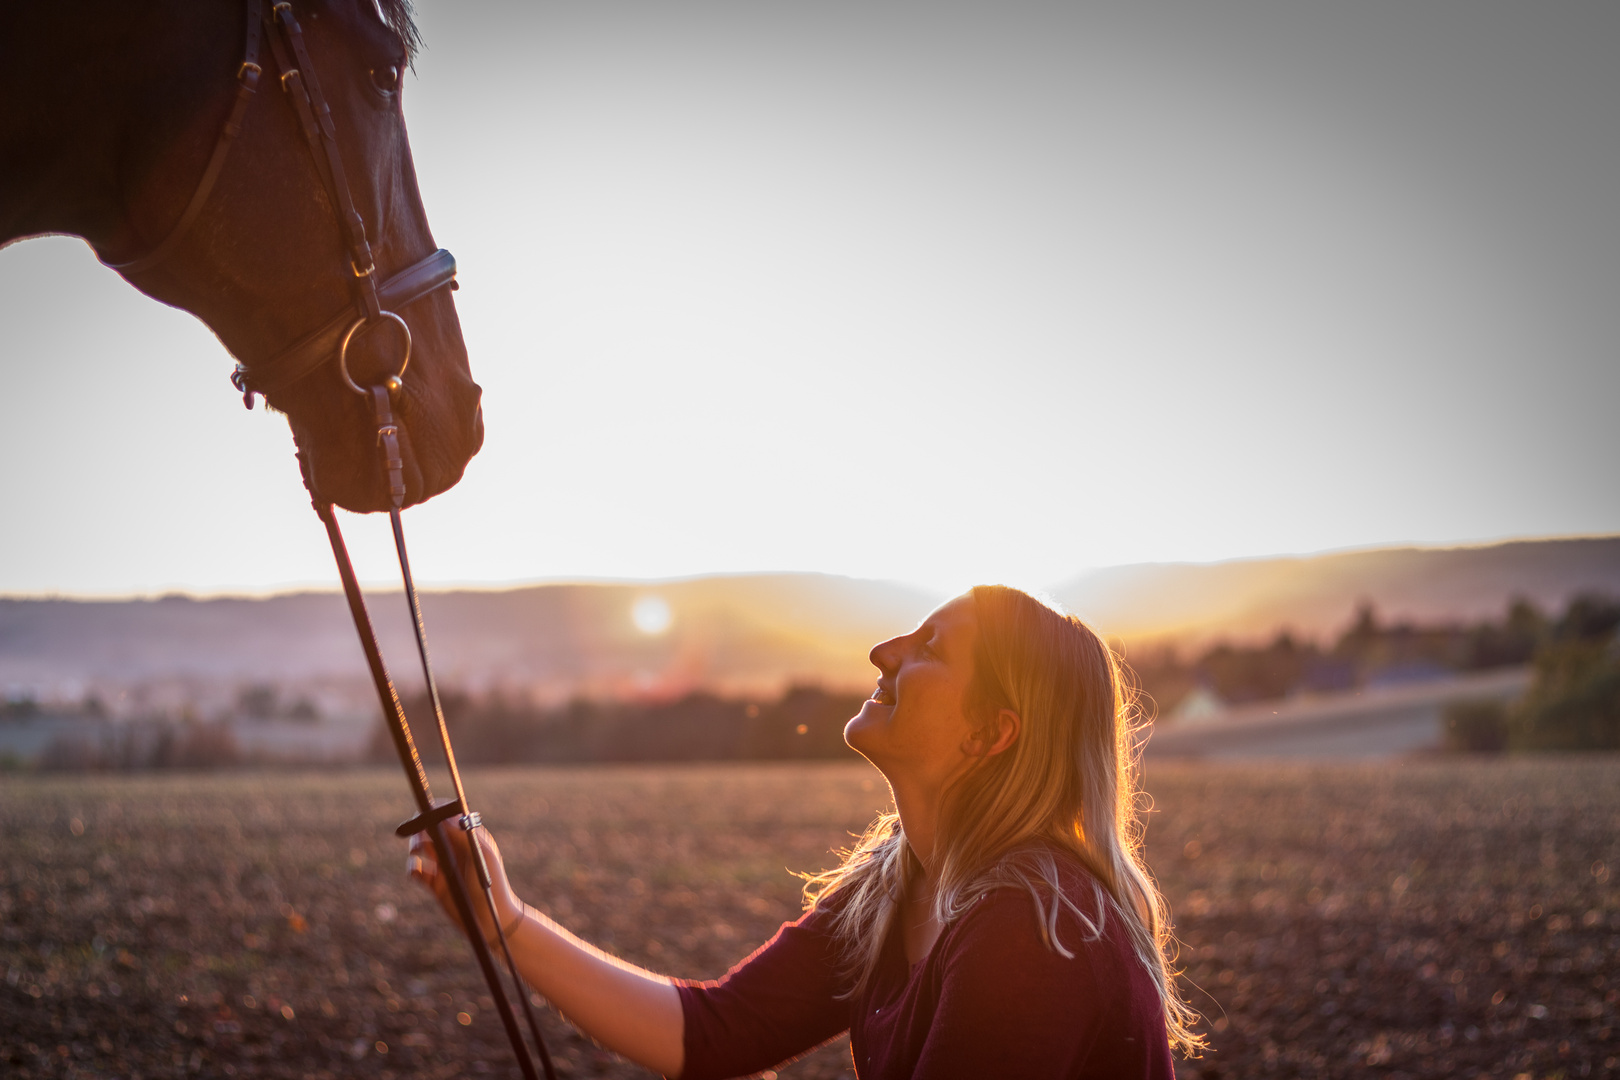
pixel 998 734
pixel 1005 728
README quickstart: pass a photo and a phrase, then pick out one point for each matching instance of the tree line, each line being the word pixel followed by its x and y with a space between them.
pixel 1574 698
pixel 1371 651
pixel 806 722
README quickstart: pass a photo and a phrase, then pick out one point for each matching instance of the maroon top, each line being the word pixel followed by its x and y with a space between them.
pixel 990 999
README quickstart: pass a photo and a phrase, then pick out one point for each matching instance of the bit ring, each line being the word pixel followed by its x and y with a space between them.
pixel 343 350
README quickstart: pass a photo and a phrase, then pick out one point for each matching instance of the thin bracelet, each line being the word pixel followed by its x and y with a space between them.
pixel 517 923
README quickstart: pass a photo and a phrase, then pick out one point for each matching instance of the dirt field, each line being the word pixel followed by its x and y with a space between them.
pixel 1429 919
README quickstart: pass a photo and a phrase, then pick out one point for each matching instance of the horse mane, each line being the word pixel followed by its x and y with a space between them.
pixel 400 15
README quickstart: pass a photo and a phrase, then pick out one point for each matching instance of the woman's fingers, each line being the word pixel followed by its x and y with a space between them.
pixel 421 861
pixel 422 864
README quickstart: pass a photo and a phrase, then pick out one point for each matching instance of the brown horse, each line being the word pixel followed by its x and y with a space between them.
pixel 111 116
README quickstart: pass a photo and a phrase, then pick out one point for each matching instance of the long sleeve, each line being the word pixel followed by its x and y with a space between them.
pixel 777 1004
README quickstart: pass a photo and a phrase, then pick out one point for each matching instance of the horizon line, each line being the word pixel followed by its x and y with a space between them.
pixel 306 589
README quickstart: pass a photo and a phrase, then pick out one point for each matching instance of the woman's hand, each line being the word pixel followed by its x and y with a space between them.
pixel 627 1009
pixel 423 865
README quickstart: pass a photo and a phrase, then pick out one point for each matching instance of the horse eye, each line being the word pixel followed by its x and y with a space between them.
pixel 385 79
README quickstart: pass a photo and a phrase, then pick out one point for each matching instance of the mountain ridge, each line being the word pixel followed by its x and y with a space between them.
pixel 738 634
pixel 1317 595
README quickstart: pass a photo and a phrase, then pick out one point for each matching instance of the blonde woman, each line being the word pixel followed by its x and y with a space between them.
pixel 998 923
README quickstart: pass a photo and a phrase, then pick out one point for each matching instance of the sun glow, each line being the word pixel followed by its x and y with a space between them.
pixel 651 615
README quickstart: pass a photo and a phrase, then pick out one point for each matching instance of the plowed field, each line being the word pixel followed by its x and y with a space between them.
pixel 1429 919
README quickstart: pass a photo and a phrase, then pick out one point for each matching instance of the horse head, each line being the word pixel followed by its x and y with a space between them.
pixel 264 247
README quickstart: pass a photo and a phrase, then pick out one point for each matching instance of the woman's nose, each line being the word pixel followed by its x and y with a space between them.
pixel 885 656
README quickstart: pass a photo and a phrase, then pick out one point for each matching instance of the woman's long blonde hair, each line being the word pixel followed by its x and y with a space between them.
pixel 1070 780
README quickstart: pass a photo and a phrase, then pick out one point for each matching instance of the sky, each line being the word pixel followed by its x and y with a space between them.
pixel 928 291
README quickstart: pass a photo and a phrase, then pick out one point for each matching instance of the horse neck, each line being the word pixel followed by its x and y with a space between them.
pixel 104 88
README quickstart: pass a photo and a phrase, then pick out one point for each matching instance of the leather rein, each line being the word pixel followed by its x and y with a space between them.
pixel 372 303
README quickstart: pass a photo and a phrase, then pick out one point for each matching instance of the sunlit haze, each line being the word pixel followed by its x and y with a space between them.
pixel 931 292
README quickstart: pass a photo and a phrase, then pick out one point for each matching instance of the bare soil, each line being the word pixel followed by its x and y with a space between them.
pixel 1428 919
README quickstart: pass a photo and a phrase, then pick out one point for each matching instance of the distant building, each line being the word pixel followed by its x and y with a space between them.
pixel 1201 704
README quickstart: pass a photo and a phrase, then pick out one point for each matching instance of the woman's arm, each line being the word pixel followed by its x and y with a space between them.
pixel 627 1009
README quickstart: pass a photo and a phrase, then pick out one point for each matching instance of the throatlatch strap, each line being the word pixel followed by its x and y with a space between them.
pixel 247 82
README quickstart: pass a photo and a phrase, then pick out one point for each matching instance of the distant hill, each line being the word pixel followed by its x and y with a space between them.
pixel 1317 595
pixel 736 634
pixel 751 634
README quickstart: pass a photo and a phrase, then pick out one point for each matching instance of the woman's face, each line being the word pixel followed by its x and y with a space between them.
pixel 913 727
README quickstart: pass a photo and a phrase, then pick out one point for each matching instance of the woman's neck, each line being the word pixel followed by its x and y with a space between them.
pixel 919 922
pixel 919 820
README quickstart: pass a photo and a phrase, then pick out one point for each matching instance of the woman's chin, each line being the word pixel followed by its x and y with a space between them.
pixel 864 727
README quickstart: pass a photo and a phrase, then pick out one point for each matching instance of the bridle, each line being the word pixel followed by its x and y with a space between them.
pixel 372 304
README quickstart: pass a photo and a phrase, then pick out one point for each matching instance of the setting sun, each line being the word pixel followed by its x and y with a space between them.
pixel 651 615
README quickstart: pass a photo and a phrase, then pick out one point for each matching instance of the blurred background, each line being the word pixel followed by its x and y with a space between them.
pixel 1275 340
